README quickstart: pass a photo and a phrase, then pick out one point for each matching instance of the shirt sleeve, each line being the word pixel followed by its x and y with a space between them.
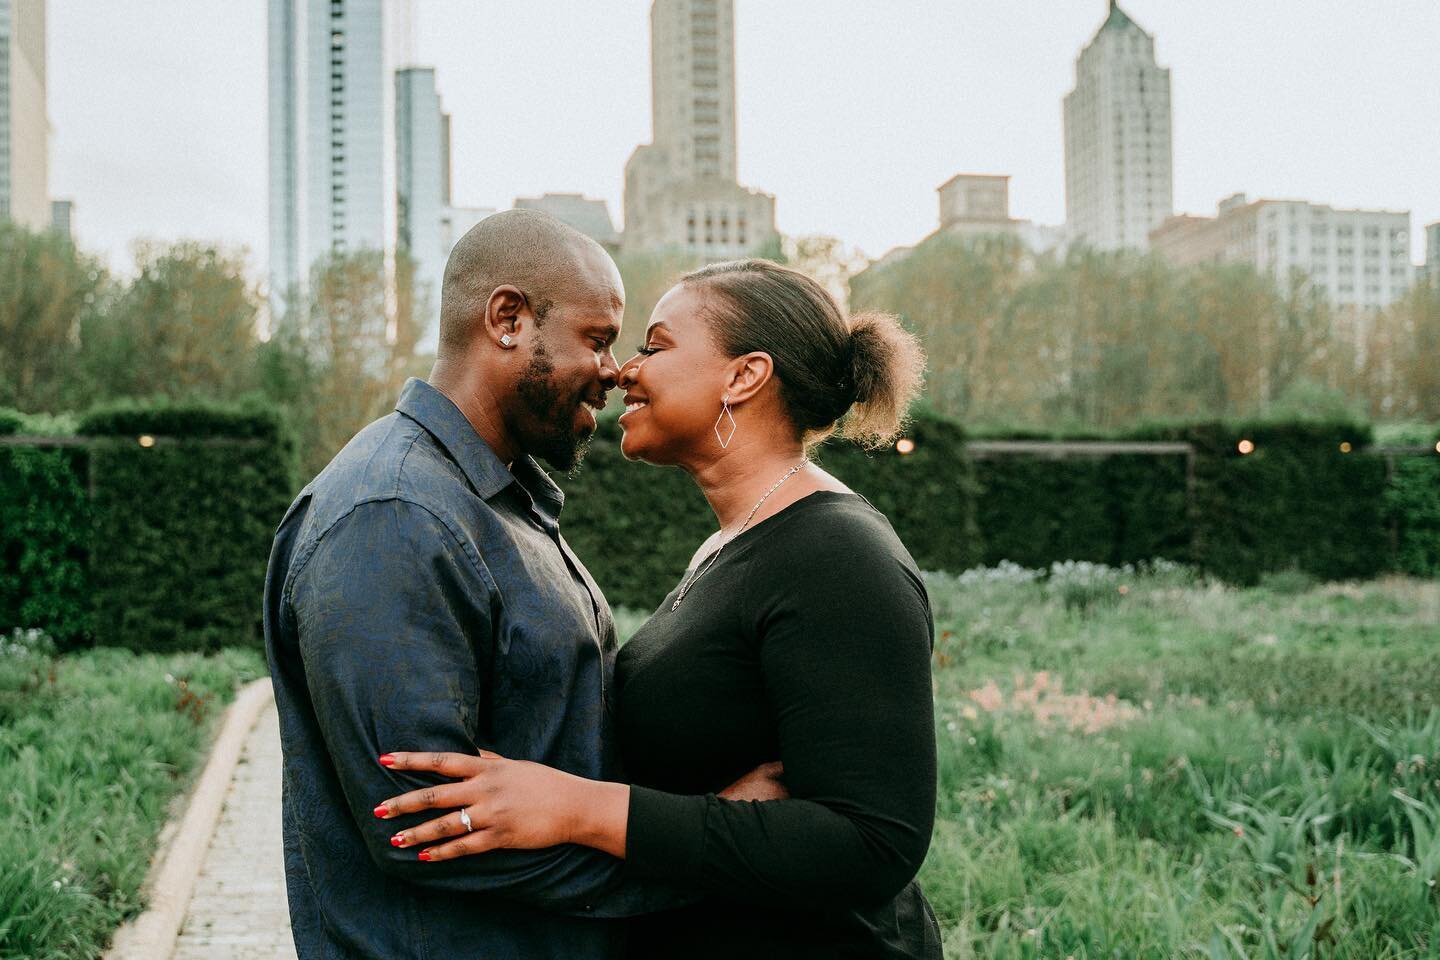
pixel 393 616
pixel 845 638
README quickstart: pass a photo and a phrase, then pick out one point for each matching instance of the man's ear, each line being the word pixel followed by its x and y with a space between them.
pixel 507 316
pixel 747 376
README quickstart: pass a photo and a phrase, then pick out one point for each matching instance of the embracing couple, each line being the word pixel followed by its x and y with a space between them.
pixel 474 769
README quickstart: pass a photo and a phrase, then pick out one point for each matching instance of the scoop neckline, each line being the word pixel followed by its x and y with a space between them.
pixel 813 497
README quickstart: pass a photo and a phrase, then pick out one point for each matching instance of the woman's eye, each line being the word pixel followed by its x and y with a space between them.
pixel 648 351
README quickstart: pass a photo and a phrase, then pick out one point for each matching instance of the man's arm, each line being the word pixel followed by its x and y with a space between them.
pixel 393 619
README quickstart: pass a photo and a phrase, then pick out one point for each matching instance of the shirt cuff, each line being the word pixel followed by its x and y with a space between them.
pixel 665 838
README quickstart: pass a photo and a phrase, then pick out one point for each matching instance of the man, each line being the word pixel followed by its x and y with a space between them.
pixel 419 594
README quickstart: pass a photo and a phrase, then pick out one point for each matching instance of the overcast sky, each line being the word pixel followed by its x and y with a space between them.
pixel 850 113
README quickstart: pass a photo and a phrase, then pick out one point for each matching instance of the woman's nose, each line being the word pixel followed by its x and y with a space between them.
pixel 629 370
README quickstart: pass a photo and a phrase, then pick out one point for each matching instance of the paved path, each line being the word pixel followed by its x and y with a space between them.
pixel 238 910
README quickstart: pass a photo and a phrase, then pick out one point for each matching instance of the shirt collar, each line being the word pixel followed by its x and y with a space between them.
pixel 438 414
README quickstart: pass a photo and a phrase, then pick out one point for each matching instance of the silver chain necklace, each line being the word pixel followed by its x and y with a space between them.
pixel 690 580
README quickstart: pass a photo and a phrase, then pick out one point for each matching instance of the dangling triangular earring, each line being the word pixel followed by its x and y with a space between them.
pixel 724 413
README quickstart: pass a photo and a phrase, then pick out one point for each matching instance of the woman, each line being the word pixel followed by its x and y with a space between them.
pixel 800 631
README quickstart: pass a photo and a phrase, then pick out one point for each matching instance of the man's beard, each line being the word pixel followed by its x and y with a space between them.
pixel 551 434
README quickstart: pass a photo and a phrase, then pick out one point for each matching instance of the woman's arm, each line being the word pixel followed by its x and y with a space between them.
pixel 514 804
pixel 845 651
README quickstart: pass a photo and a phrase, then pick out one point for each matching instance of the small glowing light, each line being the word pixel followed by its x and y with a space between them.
pixel 1345 447
pixel 907 446
pixel 1124 589
pixel 1246 446
pixel 1437 446
pixel 147 441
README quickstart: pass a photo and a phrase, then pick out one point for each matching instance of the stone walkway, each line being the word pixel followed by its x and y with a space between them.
pixel 238 911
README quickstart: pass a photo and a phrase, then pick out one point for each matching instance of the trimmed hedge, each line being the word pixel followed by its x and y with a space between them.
pixel 637 526
pixel 156 549
pixel 182 530
pixel 1296 502
pixel 1412 505
pixel 44 535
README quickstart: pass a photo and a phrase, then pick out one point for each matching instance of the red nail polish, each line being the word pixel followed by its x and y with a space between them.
pixel 381 812
pixel 424 854
pixel 387 759
pixel 397 841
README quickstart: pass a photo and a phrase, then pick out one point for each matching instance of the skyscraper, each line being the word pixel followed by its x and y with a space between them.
pixel 24 121
pixel 1118 169
pixel 328 105
pixel 680 189
pixel 1432 253
pixel 422 180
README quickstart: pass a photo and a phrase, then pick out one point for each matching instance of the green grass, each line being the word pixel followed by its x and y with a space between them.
pixel 93 748
pixel 1179 769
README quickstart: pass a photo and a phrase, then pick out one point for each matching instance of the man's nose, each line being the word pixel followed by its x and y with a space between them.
pixel 609 370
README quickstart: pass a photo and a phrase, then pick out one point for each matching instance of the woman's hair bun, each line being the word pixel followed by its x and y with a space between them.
pixel 861 372
pixel 887 367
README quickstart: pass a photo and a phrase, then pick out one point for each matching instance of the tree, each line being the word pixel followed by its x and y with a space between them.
pixel 49 290
pixel 185 326
pixel 339 357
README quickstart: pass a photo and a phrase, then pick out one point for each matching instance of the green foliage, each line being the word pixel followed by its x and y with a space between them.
pixel 183 326
pixel 182 529
pixel 1412 501
pixel 93 747
pixel 44 537
pixel 928 495
pixel 1110 340
pixel 1151 777
pixel 48 292
pixel 1296 501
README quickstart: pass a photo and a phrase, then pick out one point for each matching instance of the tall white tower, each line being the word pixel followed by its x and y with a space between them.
pixel 329 104
pixel 1118 166
pixel 681 189
pixel 422 178
pixel 24 119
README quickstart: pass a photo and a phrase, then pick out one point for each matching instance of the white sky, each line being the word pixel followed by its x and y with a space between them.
pixel 850 113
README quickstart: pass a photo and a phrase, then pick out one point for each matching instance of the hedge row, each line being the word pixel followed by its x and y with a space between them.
pixel 1296 501
pixel 163 547
pixel 44 515
pixel 157 548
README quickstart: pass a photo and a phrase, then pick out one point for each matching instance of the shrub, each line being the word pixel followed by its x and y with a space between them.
pixel 44 536
pixel 182 529
pixel 1412 502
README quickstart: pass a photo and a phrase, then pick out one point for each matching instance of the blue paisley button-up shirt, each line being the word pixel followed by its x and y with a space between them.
pixel 420 597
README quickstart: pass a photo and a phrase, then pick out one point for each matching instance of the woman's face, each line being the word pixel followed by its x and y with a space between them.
pixel 673 385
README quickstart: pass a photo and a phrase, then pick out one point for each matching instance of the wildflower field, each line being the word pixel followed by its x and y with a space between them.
pixel 1141 764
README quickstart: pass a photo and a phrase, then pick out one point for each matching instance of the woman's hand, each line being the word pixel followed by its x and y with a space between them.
pixel 512 804
pixel 762 783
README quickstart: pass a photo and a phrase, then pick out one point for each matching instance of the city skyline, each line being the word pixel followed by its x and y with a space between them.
pixel 854 147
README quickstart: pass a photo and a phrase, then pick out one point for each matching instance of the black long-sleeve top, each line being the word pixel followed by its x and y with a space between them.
pixel 809 641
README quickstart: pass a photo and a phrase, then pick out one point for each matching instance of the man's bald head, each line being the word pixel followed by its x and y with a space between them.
pixel 549 261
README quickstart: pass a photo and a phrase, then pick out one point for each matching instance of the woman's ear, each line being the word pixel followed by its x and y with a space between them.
pixel 748 375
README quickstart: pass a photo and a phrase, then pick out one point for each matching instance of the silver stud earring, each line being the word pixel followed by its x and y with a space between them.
pixel 505 340
pixel 724 413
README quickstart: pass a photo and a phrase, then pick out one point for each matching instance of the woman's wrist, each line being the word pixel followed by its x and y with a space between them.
pixel 600 815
